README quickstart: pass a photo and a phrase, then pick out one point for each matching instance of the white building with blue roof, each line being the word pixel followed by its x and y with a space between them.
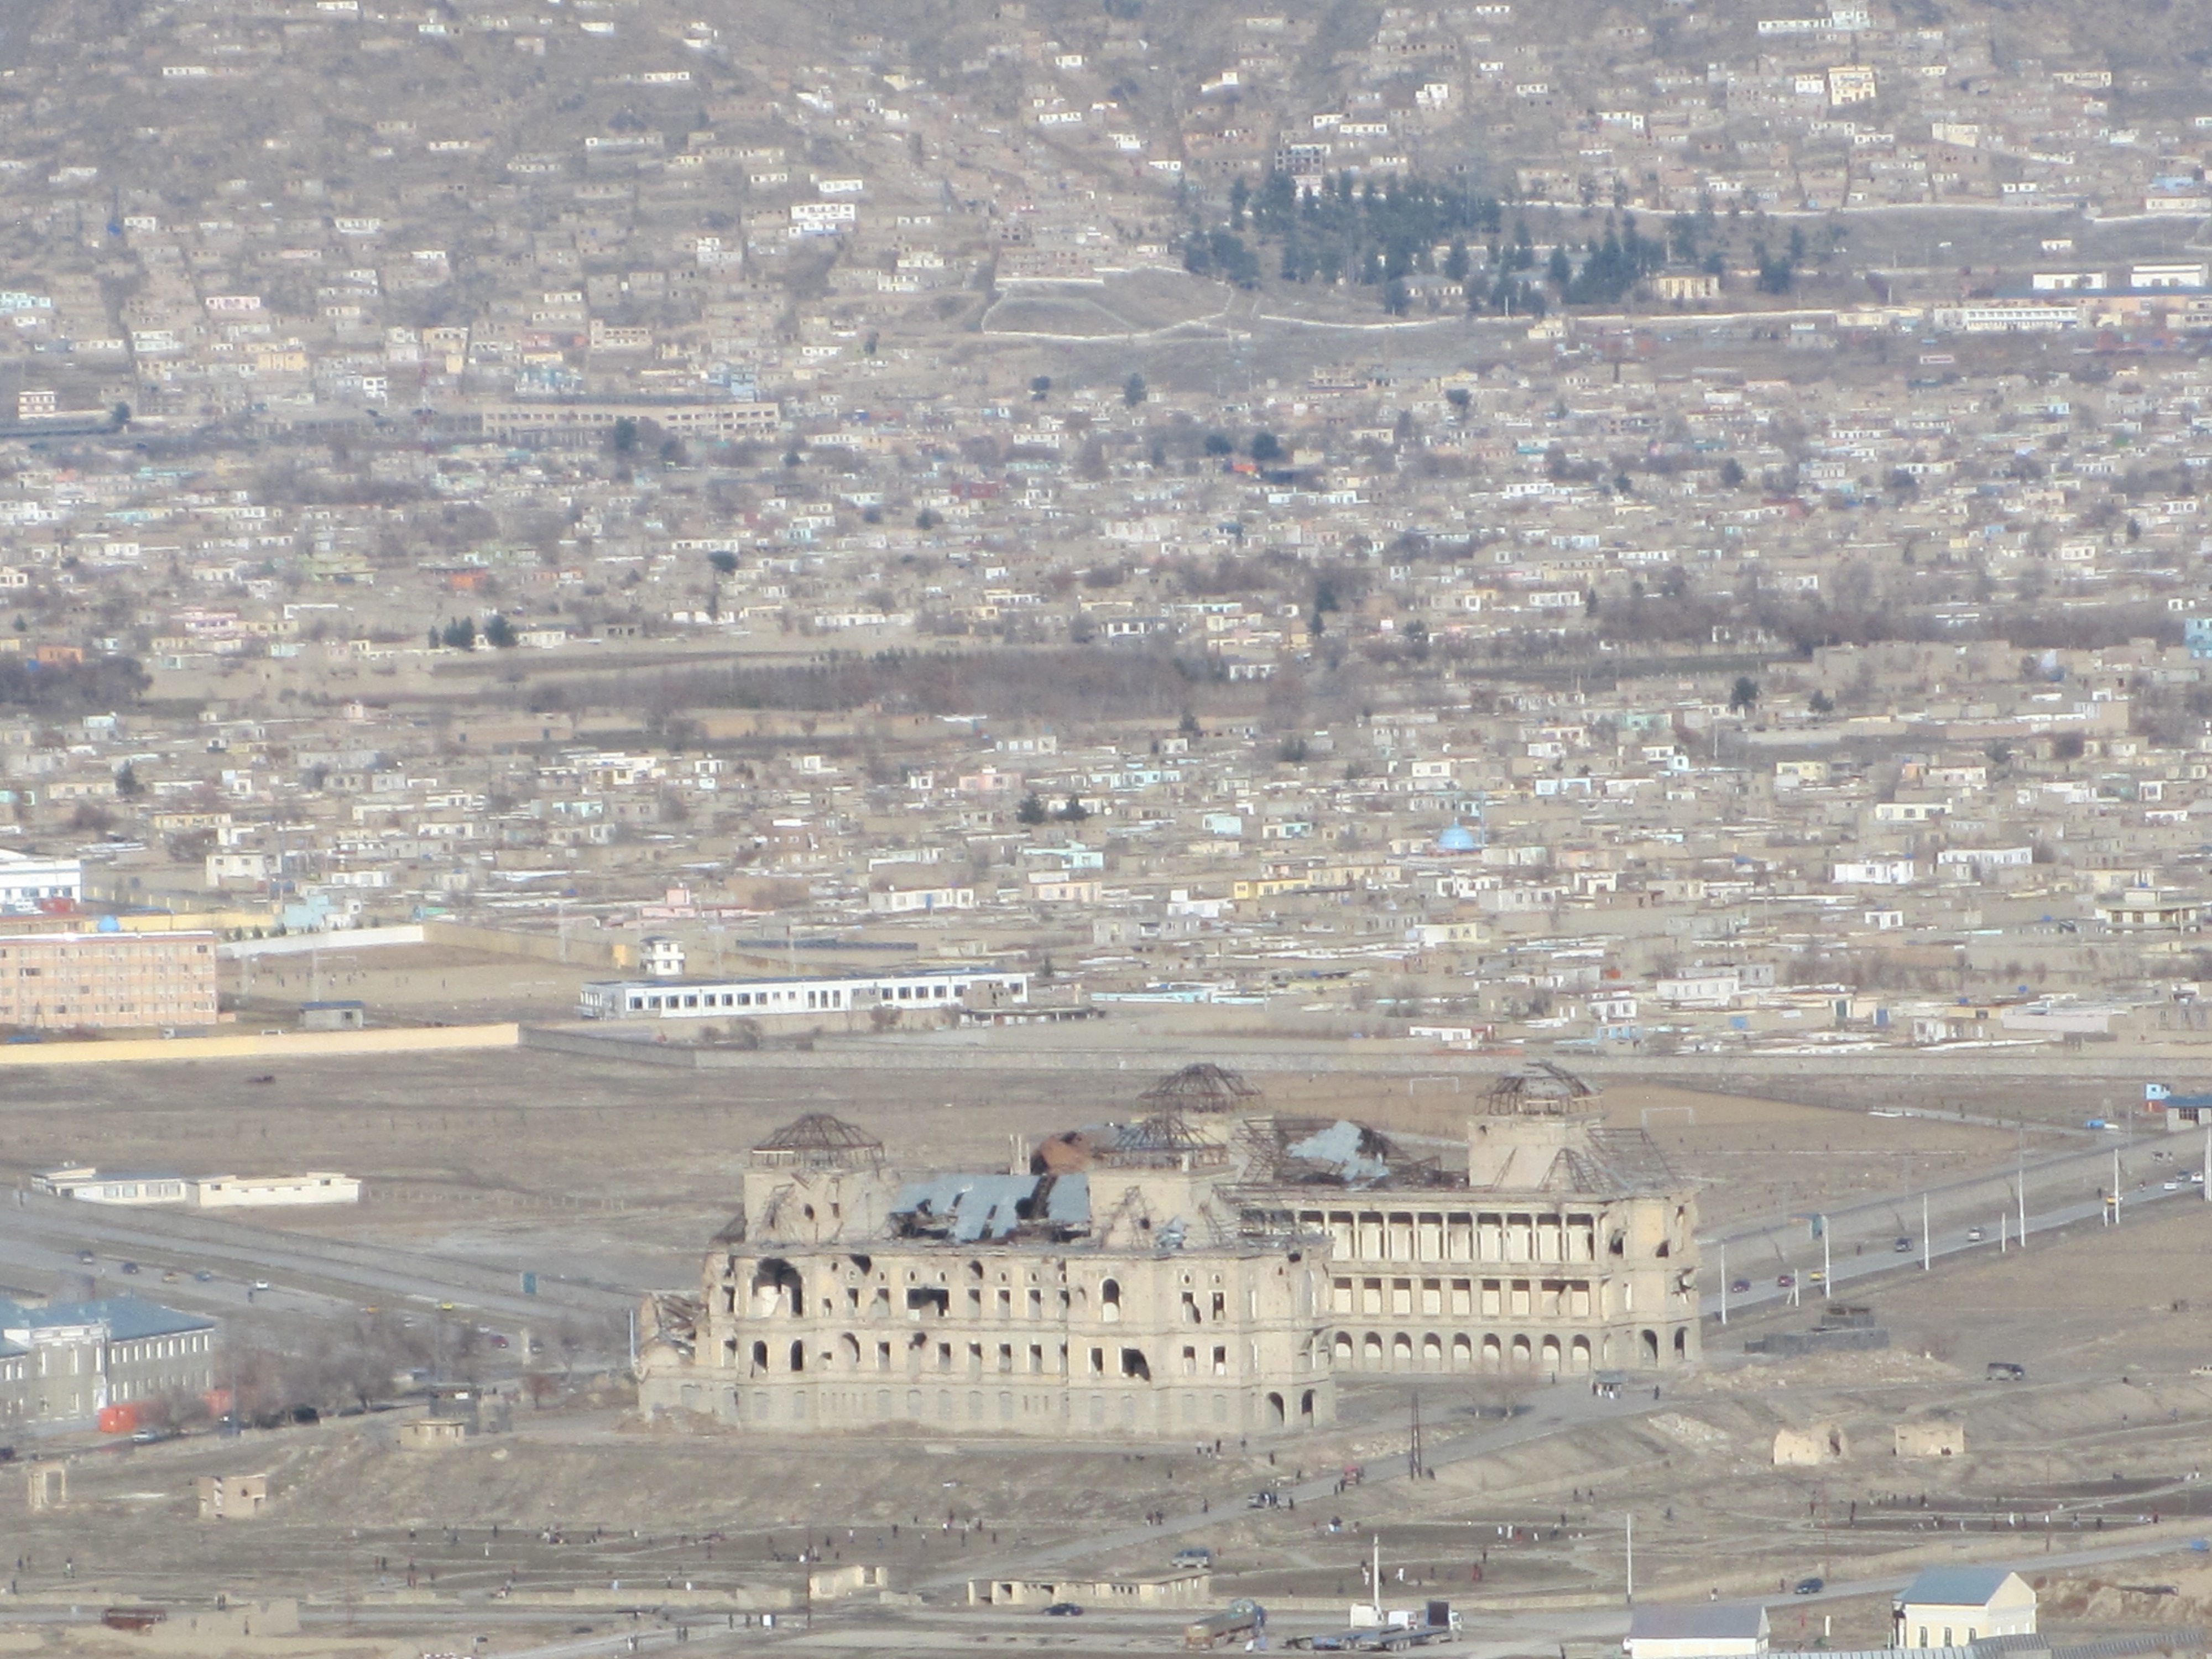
pixel 67 1362
pixel 1951 1607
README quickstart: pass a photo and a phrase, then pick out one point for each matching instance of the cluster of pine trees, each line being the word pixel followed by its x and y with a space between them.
pixel 1379 232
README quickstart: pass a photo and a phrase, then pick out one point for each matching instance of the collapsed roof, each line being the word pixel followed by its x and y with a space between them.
pixel 963 1209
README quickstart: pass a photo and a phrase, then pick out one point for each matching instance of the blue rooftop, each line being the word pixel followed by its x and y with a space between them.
pixel 1968 1587
pixel 128 1318
pixel 993 1206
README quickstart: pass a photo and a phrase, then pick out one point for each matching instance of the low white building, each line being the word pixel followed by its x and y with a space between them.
pixel 232 1191
pixel 1945 1607
pixel 704 999
pixel 27 881
pixel 88 1185
pixel 1705 1631
pixel 899 900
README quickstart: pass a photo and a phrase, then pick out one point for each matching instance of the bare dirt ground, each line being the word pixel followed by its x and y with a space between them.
pixel 499 1144
pixel 485 1152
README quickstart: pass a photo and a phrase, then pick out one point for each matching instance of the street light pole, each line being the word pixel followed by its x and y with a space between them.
pixel 1927 1245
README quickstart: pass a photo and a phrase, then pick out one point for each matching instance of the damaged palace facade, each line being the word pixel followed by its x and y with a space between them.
pixel 1207 1271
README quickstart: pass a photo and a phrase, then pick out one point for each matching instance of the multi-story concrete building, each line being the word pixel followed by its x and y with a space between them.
pixel 1118 1298
pixel 67 1362
pixel 1566 1248
pixel 105 980
pixel 1212 1269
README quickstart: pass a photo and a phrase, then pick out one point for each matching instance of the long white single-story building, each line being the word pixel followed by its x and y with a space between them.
pixel 711 999
pixel 88 1185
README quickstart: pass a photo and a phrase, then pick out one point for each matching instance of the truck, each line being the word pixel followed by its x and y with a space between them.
pixel 1437 1623
pixel 1241 1619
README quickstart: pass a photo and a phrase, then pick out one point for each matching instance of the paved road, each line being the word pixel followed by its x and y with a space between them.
pixel 1762 1251
pixel 305 1273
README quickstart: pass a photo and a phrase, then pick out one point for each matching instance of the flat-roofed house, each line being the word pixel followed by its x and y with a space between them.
pixel 1704 1630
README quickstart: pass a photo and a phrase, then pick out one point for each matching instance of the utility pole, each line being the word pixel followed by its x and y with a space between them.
pixel 1724 1279
pixel 1927 1246
pixel 1413 1465
pixel 2116 1186
pixel 1828 1263
pixel 1630 1551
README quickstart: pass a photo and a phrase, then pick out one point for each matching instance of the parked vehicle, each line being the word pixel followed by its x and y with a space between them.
pixel 1240 1621
pixel 1063 1610
pixel 2003 1371
pixel 1196 1555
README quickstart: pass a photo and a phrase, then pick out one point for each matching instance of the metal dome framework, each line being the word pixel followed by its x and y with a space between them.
pixel 1204 1089
pixel 1539 1089
pixel 819 1141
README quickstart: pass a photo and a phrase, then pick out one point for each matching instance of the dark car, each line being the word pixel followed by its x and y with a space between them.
pixel 1903 1247
pixel 1786 1281
pixel 1808 1587
pixel 129 1266
pixel 1738 1286
pixel 86 1258
pixel 1064 1610
pixel 204 1277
